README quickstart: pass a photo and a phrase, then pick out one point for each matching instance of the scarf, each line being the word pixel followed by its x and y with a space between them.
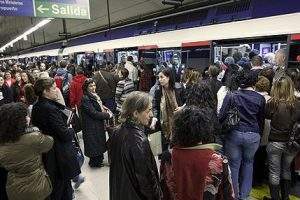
pixel 99 101
pixel 168 106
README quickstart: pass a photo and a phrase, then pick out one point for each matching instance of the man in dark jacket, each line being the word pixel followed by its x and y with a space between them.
pixel 60 162
pixel 106 84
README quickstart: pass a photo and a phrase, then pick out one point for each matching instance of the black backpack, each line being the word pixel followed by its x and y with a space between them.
pixel 294 139
pixel 232 117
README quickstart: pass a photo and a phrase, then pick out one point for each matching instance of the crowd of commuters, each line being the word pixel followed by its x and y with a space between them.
pixel 223 129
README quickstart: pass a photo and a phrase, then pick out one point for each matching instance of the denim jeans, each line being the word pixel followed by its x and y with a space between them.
pixel 240 148
pixel 280 159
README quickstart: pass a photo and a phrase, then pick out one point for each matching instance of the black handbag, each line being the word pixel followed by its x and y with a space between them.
pixel 76 121
pixel 232 118
pixel 294 139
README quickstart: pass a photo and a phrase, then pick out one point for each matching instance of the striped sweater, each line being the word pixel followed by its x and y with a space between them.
pixel 124 87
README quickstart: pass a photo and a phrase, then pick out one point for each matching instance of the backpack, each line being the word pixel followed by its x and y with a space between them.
pixel 294 139
pixel 63 83
pixel 232 117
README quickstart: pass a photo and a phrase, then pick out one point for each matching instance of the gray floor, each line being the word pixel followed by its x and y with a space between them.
pixel 96 185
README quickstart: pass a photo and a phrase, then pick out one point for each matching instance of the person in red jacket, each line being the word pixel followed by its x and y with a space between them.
pixel 76 92
pixel 195 170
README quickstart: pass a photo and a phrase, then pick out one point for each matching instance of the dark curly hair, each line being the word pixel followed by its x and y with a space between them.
pixel 86 84
pixel 246 78
pixel 12 122
pixel 193 125
pixel 200 95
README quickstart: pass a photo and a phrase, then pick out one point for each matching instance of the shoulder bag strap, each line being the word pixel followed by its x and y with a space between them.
pixel 104 80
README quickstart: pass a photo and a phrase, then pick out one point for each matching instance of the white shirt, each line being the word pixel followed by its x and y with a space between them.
pixel 221 96
pixel 133 72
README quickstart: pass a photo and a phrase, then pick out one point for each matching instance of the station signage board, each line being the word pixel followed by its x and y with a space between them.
pixel 77 9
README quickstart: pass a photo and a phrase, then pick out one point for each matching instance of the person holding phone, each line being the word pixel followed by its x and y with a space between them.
pixel 93 116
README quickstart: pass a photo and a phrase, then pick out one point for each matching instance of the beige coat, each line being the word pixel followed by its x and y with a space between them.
pixel 27 178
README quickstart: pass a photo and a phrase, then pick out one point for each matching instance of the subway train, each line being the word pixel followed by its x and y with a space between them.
pixel 197 46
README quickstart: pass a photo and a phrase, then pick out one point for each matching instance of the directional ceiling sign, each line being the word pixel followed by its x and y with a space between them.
pixel 77 9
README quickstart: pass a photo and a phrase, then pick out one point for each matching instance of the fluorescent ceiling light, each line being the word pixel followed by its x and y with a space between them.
pixel 26 33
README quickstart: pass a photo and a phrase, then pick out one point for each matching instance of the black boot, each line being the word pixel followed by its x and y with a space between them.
pixel 285 186
pixel 274 190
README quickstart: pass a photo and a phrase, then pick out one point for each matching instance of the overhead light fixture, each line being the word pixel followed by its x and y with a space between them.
pixel 173 2
pixel 26 33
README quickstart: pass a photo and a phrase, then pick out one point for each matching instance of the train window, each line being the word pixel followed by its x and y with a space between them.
pixel 239 51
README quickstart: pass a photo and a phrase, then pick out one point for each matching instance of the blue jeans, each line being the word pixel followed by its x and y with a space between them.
pixel 240 148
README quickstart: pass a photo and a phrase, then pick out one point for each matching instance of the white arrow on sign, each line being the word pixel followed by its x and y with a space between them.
pixel 41 9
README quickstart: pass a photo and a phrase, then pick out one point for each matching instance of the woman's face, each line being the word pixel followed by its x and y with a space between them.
pixel 7 75
pixel 145 116
pixel 1 81
pixel 17 76
pixel 163 80
pixel 24 77
pixel 92 87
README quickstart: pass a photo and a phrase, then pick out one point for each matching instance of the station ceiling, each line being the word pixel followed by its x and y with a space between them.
pixel 121 12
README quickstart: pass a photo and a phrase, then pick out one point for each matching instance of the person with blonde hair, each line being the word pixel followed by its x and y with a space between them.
pixel 283 110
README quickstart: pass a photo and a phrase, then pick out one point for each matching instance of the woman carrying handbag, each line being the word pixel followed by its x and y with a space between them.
pixel 93 116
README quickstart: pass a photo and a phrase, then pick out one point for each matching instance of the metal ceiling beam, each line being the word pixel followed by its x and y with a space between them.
pixel 192 7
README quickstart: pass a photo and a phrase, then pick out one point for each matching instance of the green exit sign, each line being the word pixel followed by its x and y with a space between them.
pixel 78 9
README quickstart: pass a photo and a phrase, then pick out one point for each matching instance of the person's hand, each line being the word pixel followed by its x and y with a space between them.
pixel 105 108
pixel 153 123
pixel 179 108
pixel 110 114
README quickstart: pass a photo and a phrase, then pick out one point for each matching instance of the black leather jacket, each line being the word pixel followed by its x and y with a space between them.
pixel 133 172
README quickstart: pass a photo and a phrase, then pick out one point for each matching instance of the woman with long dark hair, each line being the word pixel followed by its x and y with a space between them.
pixel 25 79
pixel 167 98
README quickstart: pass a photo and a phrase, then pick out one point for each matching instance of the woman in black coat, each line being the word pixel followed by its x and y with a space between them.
pixel 93 114
pixel 61 161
